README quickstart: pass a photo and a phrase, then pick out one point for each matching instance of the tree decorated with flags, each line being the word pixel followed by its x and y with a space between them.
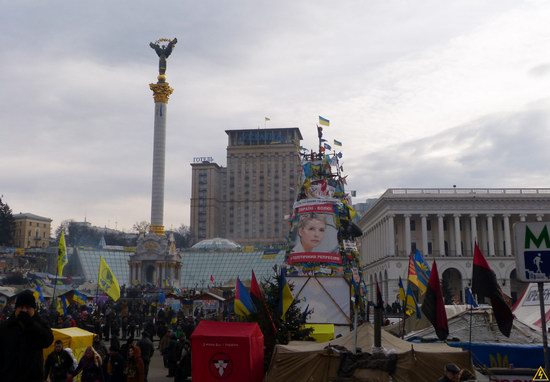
pixel 271 304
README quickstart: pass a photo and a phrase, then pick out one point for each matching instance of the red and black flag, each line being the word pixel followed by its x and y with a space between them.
pixel 264 316
pixel 433 306
pixel 485 284
pixel 379 299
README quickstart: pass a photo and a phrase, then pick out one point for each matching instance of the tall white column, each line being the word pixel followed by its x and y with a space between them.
pixel 368 256
pixel 424 234
pixel 407 235
pixel 381 239
pixel 452 241
pixel 391 235
pixel 377 241
pixel 483 232
pixel 161 93
pixel 466 237
pixel 507 239
pixel 491 234
pixel 441 234
pixel 457 235
pixel 370 253
pixel 384 241
pixel 473 227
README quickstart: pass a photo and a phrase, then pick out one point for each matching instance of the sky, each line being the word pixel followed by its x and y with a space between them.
pixel 421 94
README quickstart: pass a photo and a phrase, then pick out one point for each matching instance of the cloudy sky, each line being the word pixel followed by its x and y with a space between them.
pixel 427 93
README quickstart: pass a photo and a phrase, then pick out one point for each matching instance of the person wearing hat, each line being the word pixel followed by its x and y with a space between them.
pixel 451 373
pixel 22 337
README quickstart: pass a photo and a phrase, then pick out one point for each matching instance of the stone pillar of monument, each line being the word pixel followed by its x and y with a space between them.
pixel 155 251
pixel 161 93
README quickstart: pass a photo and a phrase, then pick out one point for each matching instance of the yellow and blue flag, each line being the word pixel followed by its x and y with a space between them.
pixel 79 298
pixel 107 281
pixel 38 295
pixel 324 121
pixel 401 292
pixel 422 271
pixel 62 305
pixel 61 254
pixel 285 294
pixel 243 304
pixel 411 305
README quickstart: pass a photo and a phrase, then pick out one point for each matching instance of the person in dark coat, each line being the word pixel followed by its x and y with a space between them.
pixel 183 368
pixel 147 350
pixel 23 336
pixel 113 366
pixel 59 364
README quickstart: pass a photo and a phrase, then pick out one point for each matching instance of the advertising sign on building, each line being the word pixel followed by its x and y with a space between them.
pixel 532 251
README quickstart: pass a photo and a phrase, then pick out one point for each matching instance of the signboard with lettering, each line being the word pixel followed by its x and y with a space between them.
pixel 532 296
pixel 203 159
pixel 532 251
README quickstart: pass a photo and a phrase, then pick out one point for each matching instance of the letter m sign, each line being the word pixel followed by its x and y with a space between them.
pixel 532 241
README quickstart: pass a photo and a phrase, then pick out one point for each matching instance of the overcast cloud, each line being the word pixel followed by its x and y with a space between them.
pixel 422 94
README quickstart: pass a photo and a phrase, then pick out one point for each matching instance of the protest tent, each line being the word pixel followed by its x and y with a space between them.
pixel 232 351
pixel 75 338
pixel 311 361
pixel 527 307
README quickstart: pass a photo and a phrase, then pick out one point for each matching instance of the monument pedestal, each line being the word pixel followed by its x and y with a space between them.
pixel 156 262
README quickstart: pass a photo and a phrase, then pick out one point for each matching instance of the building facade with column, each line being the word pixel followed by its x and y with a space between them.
pixel 443 224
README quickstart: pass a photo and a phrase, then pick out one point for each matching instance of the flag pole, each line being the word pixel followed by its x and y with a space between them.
pixel 97 287
pixel 471 316
pixel 355 327
pixel 54 303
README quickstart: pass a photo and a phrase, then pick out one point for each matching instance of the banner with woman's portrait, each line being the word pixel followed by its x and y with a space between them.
pixel 314 235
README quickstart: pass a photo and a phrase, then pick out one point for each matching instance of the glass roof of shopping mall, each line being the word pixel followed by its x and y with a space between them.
pixel 197 266
pixel 117 261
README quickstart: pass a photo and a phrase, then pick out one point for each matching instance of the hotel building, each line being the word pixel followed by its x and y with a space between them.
pixel 247 201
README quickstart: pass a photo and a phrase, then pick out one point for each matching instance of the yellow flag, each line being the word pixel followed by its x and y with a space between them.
pixel 107 281
pixel 61 254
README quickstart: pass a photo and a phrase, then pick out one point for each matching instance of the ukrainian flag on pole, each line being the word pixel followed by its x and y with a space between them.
pixel 61 254
pixel 324 121
pixel 107 281
pixel 285 294
pixel 243 304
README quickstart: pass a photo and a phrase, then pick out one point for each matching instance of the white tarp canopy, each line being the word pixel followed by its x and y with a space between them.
pixel 527 308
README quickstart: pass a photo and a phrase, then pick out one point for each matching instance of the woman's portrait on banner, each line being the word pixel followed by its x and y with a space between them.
pixel 314 233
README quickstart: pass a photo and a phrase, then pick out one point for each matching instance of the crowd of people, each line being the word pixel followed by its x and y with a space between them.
pixel 127 334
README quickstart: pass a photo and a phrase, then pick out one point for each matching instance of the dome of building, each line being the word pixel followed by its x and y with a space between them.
pixel 216 243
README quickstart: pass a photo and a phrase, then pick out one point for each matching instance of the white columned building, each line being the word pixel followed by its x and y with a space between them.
pixel 444 224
